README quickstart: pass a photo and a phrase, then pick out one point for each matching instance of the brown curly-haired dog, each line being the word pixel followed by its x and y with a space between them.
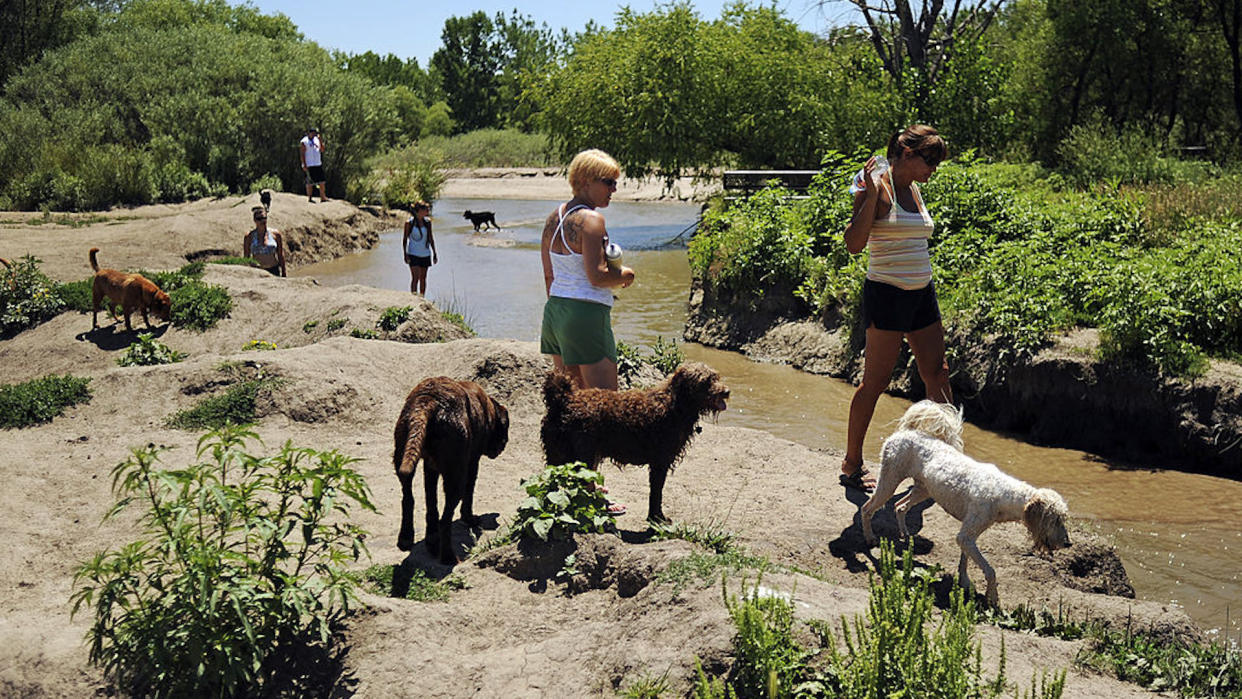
pixel 449 424
pixel 651 427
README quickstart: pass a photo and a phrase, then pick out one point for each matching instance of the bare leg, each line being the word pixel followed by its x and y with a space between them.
pixel 601 374
pixel 928 347
pixel 574 370
pixel 413 279
pixel 883 347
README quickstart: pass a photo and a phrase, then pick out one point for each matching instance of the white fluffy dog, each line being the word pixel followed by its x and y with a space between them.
pixel 927 447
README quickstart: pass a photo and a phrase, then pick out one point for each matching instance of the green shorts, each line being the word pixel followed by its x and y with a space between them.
pixel 580 332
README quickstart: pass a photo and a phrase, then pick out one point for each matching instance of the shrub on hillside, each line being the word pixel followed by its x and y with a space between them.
pixel 148 351
pixel 199 306
pixel 27 296
pixel 40 400
pixel 239 571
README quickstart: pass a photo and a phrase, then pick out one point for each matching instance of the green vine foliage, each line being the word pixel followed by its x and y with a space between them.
pixel 27 296
pixel 561 501
pixel 240 568
pixel 1010 266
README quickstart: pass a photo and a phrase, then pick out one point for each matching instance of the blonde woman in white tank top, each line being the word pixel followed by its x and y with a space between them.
pixel 576 330
pixel 899 300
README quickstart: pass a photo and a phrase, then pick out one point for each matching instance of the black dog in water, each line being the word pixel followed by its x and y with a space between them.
pixel 479 218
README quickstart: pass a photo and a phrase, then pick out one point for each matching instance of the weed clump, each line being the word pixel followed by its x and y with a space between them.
pixel 239 571
pixel 40 400
pixel 148 351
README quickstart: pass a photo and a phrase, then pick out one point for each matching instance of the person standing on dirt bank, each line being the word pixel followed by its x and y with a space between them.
pixel 577 318
pixel 311 147
pixel 899 298
pixel 265 245
pixel 419 247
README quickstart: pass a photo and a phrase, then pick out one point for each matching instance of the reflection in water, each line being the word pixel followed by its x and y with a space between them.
pixel 1181 548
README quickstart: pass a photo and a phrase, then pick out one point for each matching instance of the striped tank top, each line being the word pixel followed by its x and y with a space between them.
pixel 898 243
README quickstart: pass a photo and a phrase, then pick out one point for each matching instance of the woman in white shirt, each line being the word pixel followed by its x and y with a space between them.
pixel 419 247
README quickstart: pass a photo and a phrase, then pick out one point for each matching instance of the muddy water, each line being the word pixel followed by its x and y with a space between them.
pixel 1178 534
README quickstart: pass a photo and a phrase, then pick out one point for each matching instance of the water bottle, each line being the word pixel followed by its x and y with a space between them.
pixel 881 165
pixel 612 254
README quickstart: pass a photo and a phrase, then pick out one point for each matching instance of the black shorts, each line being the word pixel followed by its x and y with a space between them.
pixel 274 269
pixel 890 308
pixel 417 260
pixel 314 174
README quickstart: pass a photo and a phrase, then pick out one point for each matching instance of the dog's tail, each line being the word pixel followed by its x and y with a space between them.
pixel 940 420
pixel 556 391
pixel 409 437
pixel 94 262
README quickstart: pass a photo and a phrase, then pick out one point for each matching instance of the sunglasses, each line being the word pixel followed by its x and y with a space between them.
pixel 608 181
pixel 931 160
pixel 260 218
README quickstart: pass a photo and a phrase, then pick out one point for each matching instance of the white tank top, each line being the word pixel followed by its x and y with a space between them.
pixel 898 242
pixel 569 279
pixel 416 244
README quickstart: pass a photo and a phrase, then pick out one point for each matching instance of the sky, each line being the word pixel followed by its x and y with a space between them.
pixel 411 29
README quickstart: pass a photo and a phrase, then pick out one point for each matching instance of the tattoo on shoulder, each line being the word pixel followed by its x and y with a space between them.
pixel 573 226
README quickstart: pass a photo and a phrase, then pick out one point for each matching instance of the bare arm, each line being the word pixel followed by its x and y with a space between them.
pixel 588 230
pixel 865 204
pixel 405 236
pixel 302 149
pixel 280 252
pixel 246 245
pixel 545 255
pixel 431 242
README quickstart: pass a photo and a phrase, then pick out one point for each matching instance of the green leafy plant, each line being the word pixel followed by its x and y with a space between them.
pixel 27 296
pixel 335 324
pixel 240 567
pixel 147 350
pixel 40 400
pixel 397 581
pixel 309 326
pixel 259 345
pixel 629 361
pixel 199 306
pixel 562 500
pixel 458 320
pixel 236 406
pixel 239 261
pixel 666 356
pixel 392 317
pixel 364 333
pixel 77 295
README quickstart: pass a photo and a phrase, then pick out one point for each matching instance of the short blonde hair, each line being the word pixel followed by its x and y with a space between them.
pixel 590 165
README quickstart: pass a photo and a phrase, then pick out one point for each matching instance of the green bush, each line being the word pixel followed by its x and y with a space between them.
pixel 239 261
pixel 268 181
pixel 236 406
pixel 40 400
pixel 629 360
pixel 240 568
pixel 199 306
pixel 146 351
pixel 416 585
pixel 482 148
pixel 666 356
pixel 458 320
pixel 392 317
pixel 364 334
pixel 562 500
pixel 77 296
pixel 27 296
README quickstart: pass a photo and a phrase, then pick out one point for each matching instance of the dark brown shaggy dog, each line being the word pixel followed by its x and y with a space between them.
pixel 449 424
pixel 485 218
pixel 651 427
pixel 129 291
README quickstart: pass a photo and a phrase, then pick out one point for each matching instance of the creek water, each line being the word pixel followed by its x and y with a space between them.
pixel 1177 533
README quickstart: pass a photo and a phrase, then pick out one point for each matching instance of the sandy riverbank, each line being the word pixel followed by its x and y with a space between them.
pixel 503 635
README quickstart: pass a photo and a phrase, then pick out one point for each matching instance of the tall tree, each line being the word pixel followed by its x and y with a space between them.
pixel 30 27
pixel 923 39
pixel 1229 14
pixel 467 63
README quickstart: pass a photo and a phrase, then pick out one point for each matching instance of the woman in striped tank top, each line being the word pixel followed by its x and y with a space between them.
pixel 899 299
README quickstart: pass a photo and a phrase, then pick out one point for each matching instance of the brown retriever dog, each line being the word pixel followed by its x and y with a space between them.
pixel 651 427
pixel 129 291
pixel 449 424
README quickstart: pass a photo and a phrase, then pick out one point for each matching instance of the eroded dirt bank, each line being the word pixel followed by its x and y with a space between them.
pixel 1062 396
pixel 515 630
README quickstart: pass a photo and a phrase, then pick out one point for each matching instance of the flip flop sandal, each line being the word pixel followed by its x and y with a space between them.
pixel 616 509
pixel 856 480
